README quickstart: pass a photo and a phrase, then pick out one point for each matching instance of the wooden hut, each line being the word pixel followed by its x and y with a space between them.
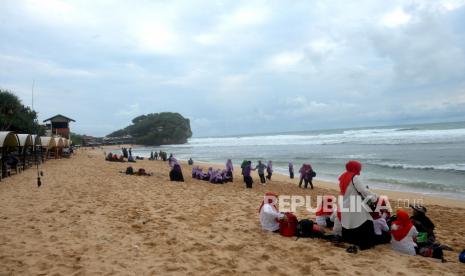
pixel 59 125
pixel 26 150
pixel 8 143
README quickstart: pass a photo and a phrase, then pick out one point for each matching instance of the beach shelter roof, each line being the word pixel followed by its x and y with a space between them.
pixel 8 139
pixel 48 142
pixel 25 140
pixel 59 142
pixel 36 140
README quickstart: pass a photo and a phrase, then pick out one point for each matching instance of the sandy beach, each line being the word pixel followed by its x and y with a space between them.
pixel 89 219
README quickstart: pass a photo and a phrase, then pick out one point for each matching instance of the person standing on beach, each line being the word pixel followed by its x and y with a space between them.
pixel 229 169
pixel 269 170
pixel 247 177
pixel 261 171
pixel 291 170
pixel 243 165
pixel 302 172
pixel 130 152
pixel 357 225
pixel 309 175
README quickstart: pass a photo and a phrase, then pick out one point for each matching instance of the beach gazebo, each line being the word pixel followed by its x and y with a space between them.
pixel 37 148
pixel 60 144
pixel 8 142
pixel 48 144
pixel 25 149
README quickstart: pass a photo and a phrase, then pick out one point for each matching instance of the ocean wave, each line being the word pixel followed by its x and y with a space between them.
pixel 392 136
pixel 444 167
pixel 416 184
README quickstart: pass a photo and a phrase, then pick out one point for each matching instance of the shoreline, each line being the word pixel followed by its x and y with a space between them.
pixel 410 196
pixel 432 196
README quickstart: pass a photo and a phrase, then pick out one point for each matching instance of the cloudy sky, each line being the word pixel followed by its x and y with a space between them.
pixel 237 66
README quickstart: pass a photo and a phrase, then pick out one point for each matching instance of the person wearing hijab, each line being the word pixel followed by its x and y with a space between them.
pixel 403 234
pixel 176 173
pixel 357 225
pixel 261 171
pixel 308 177
pixel 269 214
pixel 229 169
pixel 247 175
pixel 291 170
pixel 269 170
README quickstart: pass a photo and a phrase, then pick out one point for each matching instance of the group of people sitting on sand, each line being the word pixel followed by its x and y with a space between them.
pixel 139 172
pixel 362 228
pixel 215 176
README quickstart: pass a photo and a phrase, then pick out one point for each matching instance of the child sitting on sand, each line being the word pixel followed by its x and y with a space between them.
pixel 269 214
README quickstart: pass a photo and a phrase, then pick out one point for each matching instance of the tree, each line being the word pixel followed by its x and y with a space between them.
pixel 14 116
pixel 157 129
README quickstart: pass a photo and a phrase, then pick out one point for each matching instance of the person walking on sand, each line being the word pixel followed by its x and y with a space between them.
pixel 269 170
pixel 357 223
pixel 308 177
pixel 261 171
pixel 291 170
pixel 247 176
pixel 303 173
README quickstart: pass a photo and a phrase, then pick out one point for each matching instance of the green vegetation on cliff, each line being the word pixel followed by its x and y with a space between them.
pixel 157 129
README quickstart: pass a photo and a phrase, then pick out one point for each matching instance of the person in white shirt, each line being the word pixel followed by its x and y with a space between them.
pixel 381 228
pixel 403 234
pixel 357 225
pixel 269 214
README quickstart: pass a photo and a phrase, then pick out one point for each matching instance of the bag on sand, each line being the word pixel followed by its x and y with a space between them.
pixel 129 170
pixel 304 229
pixel 288 227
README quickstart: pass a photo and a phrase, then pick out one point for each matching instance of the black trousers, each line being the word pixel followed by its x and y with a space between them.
pixel 262 178
pixel 362 236
pixel 248 181
pixel 385 237
pixel 291 175
pixel 268 176
pixel 308 182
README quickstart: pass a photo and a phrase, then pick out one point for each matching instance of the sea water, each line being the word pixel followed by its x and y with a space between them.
pixel 427 158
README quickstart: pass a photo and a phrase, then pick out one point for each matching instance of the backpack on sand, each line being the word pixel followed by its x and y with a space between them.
pixel 304 229
pixel 288 227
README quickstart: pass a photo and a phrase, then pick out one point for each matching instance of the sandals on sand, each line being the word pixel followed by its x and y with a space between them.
pixel 352 249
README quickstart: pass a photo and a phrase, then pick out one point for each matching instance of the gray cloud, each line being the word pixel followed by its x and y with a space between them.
pixel 239 66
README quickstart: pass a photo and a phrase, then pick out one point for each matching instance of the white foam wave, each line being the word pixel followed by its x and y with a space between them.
pixel 447 167
pixel 361 137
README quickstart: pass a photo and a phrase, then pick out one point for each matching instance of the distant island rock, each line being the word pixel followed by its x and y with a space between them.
pixel 157 129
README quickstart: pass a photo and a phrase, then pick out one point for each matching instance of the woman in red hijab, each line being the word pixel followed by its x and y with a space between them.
pixel 357 223
pixel 403 234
